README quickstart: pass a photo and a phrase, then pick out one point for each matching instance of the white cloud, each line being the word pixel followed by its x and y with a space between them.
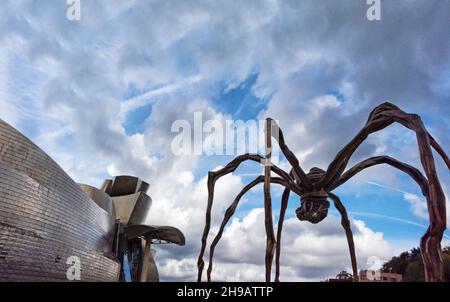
pixel 418 205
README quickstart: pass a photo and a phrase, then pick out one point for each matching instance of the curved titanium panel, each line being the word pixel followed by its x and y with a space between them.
pixel 132 209
pixel 124 185
pixel 100 198
pixel 45 218
pixel 165 233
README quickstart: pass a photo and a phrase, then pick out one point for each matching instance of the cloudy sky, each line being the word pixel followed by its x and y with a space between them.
pixel 100 95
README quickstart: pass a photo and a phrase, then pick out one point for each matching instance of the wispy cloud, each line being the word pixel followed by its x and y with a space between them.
pixel 418 205
pixel 387 217
pixel 153 95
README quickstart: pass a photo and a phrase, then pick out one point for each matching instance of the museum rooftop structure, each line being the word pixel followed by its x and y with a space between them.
pixel 50 226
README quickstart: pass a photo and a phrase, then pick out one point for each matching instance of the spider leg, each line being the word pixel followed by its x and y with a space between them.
pixel 290 156
pixel 381 117
pixel 439 150
pixel 414 173
pixel 283 207
pixel 213 177
pixel 348 233
pixel 273 130
pixel 230 212
pixel 284 204
pixel 268 221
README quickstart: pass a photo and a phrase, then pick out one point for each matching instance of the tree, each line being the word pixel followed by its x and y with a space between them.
pixel 414 272
pixel 344 275
pixel 410 265
pixel 398 264
pixel 446 256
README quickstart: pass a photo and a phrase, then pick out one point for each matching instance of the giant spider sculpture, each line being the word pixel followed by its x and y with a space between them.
pixel 315 188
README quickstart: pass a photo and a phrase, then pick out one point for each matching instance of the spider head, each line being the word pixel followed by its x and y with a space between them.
pixel 314 207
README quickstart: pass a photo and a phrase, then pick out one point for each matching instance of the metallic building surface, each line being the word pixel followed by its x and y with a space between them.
pixel 133 208
pixel 100 198
pixel 135 236
pixel 163 233
pixel 124 185
pixel 45 218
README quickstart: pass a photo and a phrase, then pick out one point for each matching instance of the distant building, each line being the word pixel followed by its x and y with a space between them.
pixel 378 276
pixel 367 276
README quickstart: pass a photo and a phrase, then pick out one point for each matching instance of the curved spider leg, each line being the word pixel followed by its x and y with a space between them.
pixel 283 207
pixel 268 221
pixel 273 130
pixel 284 204
pixel 381 117
pixel 439 150
pixel 230 212
pixel 345 222
pixel 414 173
pixel 299 174
pixel 213 176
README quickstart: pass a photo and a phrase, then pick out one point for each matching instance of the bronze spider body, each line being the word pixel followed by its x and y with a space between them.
pixel 315 189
